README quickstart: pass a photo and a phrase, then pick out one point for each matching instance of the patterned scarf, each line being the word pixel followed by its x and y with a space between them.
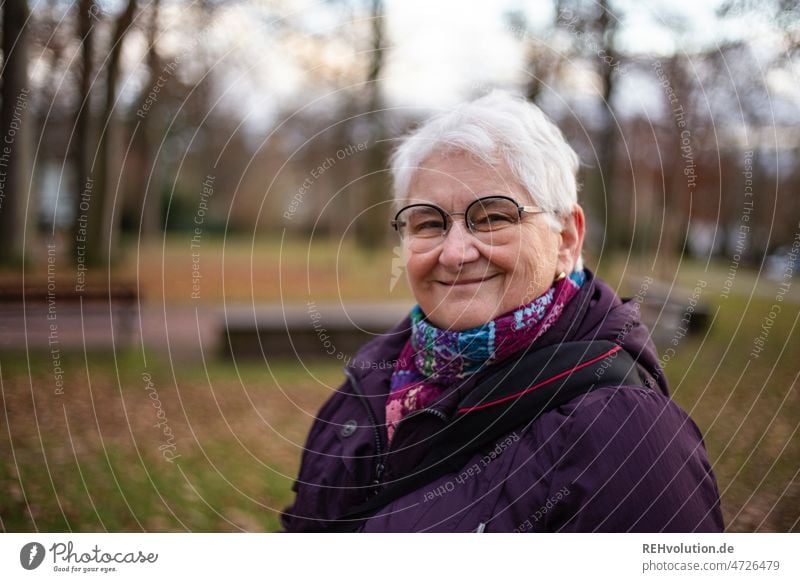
pixel 434 360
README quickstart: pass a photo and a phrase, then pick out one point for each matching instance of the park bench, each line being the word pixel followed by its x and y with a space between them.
pixel 55 309
pixel 336 331
pixel 671 312
pixel 330 331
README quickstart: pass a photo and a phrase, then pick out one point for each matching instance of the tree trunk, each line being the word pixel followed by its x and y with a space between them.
pixel 372 225
pixel 81 146
pixel 14 159
pixel 543 61
pixel 149 183
pixel 101 228
pixel 616 216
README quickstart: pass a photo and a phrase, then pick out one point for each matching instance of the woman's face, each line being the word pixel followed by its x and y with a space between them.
pixel 463 282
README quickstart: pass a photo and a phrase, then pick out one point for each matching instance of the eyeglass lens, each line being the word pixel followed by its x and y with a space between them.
pixel 483 215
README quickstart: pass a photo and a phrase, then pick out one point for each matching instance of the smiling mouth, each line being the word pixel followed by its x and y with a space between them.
pixel 464 282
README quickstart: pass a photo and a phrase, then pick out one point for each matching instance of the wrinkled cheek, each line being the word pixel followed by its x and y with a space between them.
pixel 418 270
pixel 528 284
pixel 538 276
pixel 415 279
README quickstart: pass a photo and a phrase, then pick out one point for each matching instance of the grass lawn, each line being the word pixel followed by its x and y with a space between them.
pixel 198 449
pixel 97 457
pixel 240 270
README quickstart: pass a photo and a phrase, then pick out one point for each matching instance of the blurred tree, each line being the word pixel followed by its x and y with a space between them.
pixel 145 196
pixel 785 14
pixel 587 31
pixel 675 193
pixel 82 143
pixel 580 42
pixel 371 226
pixel 101 228
pixel 543 59
pixel 617 223
pixel 14 155
pixel 768 133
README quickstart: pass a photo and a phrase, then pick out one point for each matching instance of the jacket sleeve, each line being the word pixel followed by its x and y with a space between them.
pixel 292 517
pixel 334 469
pixel 633 461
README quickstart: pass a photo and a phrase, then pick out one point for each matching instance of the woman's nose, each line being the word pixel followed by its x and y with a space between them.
pixel 458 247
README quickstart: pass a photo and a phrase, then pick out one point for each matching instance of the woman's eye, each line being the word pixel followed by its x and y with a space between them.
pixel 428 227
pixel 500 218
pixel 494 218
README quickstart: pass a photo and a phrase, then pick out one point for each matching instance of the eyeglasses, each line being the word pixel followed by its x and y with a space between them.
pixel 489 219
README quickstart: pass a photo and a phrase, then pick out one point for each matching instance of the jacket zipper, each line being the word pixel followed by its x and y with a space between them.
pixel 434 411
pixel 380 464
pixel 382 455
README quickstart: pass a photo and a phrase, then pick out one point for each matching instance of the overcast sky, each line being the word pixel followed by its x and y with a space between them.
pixel 444 51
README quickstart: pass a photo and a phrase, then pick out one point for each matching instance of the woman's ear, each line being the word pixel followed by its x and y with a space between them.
pixel 571 245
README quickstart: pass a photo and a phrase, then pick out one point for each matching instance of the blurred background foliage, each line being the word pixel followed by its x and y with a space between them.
pixel 144 100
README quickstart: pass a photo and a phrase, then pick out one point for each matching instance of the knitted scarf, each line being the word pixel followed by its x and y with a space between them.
pixel 434 360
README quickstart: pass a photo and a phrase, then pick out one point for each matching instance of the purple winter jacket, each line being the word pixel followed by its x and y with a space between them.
pixel 618 459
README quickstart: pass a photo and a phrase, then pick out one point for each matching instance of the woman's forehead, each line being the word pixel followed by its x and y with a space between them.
pixel 457 178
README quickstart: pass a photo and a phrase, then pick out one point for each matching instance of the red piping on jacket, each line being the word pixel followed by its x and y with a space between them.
pixel 613 350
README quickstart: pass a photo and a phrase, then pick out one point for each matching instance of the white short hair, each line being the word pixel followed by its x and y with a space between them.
pixel 494 127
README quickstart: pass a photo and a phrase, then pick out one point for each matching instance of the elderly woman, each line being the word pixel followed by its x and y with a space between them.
pixel 520 394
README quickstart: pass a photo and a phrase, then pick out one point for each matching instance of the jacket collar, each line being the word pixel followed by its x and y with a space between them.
pixel 596 312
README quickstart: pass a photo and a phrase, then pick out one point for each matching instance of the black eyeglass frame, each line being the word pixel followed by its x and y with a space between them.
pixel 449 215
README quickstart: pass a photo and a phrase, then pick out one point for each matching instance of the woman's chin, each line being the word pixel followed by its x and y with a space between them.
pixel 458 315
